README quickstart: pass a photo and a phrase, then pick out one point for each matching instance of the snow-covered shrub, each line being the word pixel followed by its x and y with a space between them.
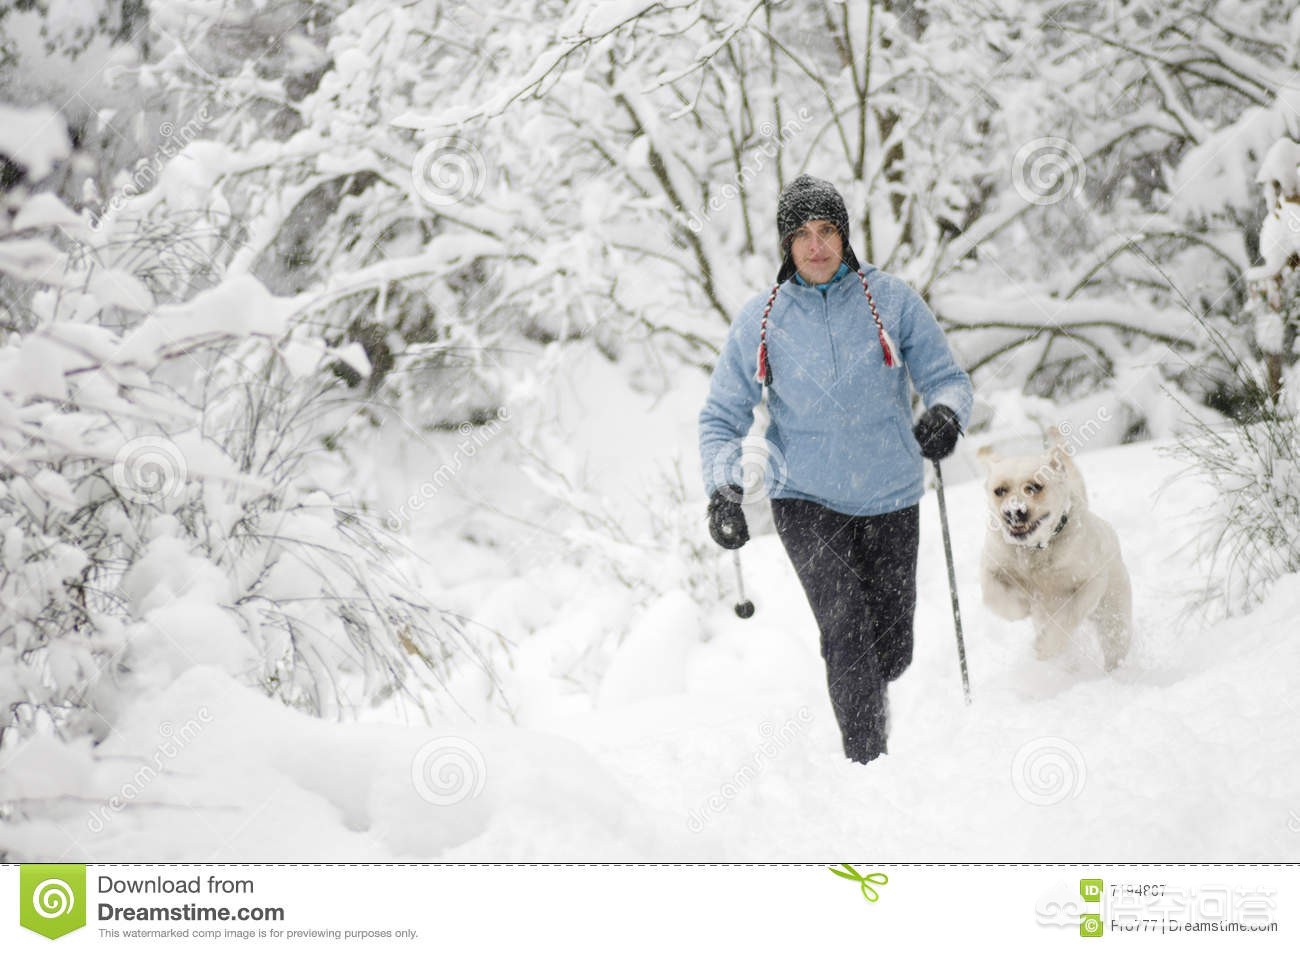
pixel 1253 531
pixel 165 498
pixel 1274 309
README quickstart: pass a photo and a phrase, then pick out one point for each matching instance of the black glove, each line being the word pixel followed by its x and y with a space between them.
pixel 937 432
pixel 726 519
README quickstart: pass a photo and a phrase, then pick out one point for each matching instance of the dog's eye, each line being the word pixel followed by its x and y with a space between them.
pixel 1033 488
pixel 1000 491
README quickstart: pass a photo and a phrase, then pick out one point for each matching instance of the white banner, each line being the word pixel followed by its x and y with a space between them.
pixel 598 907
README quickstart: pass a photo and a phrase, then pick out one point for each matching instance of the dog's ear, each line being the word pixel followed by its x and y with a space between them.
pixel 987 456
pixel 1059 457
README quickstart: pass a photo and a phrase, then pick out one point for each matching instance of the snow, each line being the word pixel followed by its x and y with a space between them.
pixel 712 738
pixel 32 259
pixel 45 211
pixel 55 489
pixel 35 138
pixel 168 570
pixel 1279 239
pixel 652 660
pixel 1022 307
pixel 36 369
pixel 598 19
pixel 1219 174
pixel 1280 169
pixel 120 289
pixel 239 306
pixel 1270 331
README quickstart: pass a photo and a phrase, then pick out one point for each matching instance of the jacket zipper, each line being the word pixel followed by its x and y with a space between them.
pixel 830 337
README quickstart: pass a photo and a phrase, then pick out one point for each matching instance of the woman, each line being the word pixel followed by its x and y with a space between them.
pixel 830 349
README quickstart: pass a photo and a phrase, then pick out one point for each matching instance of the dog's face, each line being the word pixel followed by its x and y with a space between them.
pixel 1028 496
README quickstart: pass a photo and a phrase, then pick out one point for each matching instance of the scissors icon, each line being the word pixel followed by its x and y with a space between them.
pixel 868 891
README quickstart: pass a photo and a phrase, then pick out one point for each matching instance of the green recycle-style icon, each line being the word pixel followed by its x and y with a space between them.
pixel 52 898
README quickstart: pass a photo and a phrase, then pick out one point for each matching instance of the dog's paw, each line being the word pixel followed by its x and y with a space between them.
pixel 1004 602
pixel 1048 646
pixel 1113 655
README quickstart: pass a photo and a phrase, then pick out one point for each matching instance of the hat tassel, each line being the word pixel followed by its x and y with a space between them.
pixel 888 349
pixel 887 346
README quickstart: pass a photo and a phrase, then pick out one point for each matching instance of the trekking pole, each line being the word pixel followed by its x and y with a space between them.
pixel 952 580
pixel 744 608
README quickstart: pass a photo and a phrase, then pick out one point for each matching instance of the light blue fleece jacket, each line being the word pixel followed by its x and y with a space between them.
pixel 841 421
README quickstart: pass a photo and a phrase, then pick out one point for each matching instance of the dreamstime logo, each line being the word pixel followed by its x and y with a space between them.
pixel 447 171
pixel 149 469
pixel 1047 171
pixel 757 467
pixel 448 770
pixel 1047 771
pixel 52 898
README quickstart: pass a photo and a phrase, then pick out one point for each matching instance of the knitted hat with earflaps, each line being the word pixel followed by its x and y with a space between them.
pixel 809 199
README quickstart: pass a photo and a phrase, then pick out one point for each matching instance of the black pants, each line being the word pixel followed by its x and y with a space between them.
pixel 859 573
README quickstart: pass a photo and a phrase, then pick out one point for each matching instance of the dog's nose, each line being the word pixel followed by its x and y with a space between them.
pixel 1015 513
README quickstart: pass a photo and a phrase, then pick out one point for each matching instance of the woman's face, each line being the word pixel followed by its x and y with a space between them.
pixel 817 251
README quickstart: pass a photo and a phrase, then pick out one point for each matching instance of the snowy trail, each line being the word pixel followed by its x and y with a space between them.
pixel 1187 752
pixel 723 747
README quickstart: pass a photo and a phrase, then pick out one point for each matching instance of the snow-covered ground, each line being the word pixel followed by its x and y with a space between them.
pixel 707 737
